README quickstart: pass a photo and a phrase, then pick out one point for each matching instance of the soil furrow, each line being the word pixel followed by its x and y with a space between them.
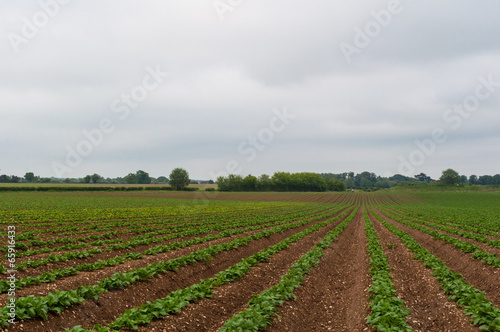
pixel 430 308
pixel 334 296
pixel 482 276
pixel 112 304
pixel 229 299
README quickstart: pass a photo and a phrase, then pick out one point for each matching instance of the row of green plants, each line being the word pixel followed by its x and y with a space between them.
pixel 117 260
pixel 25 305
pixel 177 300
pixel 467 235
pixel 418 216
pixel 171 208
pixel 72 242
pixel 71 224
pixel 389 313
pixel 262 308
pixel 219 225
pixel 69 246
pixel 472 301
pixel 134 227
pixel 464 246
pixel 59 273
pixel 54 274
pixel 470 209
pixel 72 255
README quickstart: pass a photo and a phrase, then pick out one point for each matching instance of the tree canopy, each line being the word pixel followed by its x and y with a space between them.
pixel 280 181
pixel 179 179
pixel 450 177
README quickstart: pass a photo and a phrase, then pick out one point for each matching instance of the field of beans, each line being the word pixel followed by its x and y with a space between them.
pixel 166 261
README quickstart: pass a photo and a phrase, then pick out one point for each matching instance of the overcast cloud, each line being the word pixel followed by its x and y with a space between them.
pixel 249 86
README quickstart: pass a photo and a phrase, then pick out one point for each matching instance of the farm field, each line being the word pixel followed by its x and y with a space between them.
pixel 194 261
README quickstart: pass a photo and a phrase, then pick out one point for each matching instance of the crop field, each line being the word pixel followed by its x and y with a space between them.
pixel 167 261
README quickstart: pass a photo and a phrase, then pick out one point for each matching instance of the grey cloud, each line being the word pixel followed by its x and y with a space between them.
pixel 227 76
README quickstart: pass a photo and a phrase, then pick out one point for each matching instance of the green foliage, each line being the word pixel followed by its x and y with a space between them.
pixel 280 181
pixel 464 246
pixel 179 179
pixel 450 177
pixel 472 301
pixel 29 177
pixel 335 185
pixel 250 183
pixel 60 300
pixel 388 311
pixel 262 307
pixel 175 301
pixel 143 177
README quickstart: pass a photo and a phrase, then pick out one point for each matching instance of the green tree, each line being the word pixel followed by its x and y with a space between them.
pixel 222 183
pixel 95 178
pixel 473 180
pixel 264 183
pixel 29 177
pixel 250 183
pixel 365 179
pixel 4 178
pixel 162 179
pixel 335 185
pixel 143 177
pixel 131 178
pixel 87 179
pixel 281 181
pixel 179 179
pixel 423 178
pixel 485 180
pixel 15 179
pixel 450 177
pixel 235 182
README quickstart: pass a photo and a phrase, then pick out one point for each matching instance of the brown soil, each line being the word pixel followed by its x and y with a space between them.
pixel 97 257
pixel 430 308
pixel 210 314
pixel 334 297
pixel 112 304
pixel 90 278
pixel 482 276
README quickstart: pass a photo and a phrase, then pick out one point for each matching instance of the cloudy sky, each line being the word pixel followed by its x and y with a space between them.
pixel 259 86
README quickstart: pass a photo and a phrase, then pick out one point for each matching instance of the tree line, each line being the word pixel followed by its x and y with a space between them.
pixel 280 181
pixel 448 177
pixel 178 179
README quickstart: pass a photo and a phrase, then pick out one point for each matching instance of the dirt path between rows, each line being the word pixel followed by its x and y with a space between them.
pixel 90 278
pixel 231 298
pixel 430 308
pixel 334 296
pixel 480 275
pixel 112 304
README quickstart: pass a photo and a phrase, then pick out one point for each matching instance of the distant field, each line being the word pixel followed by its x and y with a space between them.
pixel 90 185
pixel 218 261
